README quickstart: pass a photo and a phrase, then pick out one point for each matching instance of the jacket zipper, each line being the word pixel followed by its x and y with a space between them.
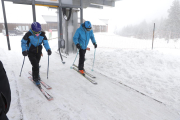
pixel 37 44
pixel 86 39
pixel 86 36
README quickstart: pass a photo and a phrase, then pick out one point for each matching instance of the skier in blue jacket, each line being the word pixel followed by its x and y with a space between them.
pixel 81 40
pixel 31 46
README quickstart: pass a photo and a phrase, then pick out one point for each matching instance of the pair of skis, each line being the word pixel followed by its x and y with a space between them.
pixel 87 75
pixel 47 95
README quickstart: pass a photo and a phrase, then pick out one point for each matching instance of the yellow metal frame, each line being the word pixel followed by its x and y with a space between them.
pixel 47 5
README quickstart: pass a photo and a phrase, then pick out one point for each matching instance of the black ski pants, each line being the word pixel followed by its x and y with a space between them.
pixel 81 58
pixel 35 59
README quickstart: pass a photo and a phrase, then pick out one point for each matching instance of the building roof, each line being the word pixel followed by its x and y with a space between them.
pixel 49 18
pixel 94 21
pixel 105 21
pixel 22 18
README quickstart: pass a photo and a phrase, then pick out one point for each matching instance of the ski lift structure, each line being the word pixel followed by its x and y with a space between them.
pixel 67 9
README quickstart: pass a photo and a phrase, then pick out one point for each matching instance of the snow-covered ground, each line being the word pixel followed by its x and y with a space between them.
pixel 134 82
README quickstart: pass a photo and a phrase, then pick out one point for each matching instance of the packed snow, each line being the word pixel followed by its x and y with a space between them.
pixel 135 82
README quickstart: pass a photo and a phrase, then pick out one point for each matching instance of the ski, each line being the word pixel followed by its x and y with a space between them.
pixel 42 82
pixel 48 97
pixel 89 79
pixel 90 75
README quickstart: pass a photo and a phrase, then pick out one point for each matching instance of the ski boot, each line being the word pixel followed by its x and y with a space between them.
pixel 81 71
pixel 36 81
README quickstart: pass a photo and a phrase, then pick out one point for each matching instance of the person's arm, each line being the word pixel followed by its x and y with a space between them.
pixel 92 37
pixel 24 41
pixel 76 37
pixel 45 41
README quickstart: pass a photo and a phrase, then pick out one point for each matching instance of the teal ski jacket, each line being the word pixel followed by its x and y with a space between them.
pixel 82 37
pixel 32 43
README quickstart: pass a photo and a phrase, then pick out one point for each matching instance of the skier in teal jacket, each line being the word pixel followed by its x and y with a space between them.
pixel 81 40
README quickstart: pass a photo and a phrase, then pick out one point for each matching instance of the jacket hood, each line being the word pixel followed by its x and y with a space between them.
pixel 83 28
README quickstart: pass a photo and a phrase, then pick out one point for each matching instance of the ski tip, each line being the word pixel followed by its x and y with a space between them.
pixel 50 99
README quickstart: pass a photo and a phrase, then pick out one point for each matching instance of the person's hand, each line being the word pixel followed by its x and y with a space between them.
pixel 95 45
pixel 25 53
pixel 49 52
pixel 78 46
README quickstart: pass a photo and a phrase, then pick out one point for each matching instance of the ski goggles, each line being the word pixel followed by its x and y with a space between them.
pixel 88 29
pixel 36 32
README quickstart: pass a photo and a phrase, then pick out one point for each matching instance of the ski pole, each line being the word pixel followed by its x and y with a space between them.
pixel 48 67
pixel 22 66
pixel 94 59
pixel 61 57
pixel 75 58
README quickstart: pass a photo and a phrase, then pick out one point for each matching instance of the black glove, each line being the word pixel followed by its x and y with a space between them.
pixel 95 45
pixel 49 52
pixel 78 46
pixel 25 53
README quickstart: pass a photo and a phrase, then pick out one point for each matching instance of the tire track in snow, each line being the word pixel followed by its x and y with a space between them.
pixel 17 92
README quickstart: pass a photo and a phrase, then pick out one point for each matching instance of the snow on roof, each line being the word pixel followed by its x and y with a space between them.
pixel 104 21
pixel 94 21
pixel 22 18
pixel 49 18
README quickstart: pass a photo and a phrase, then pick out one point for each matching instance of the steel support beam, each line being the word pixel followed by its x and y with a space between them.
pixel 44 3
pixel 34 10
pixel 5 22
pixel 60 35
pixel 81 10
pixel 96 6
pixel 103 3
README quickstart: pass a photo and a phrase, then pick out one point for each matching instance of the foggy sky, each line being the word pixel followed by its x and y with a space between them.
pixel 130 12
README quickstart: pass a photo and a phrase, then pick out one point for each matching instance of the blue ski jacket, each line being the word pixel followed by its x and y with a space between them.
pixel 32 43
pixel 82 37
